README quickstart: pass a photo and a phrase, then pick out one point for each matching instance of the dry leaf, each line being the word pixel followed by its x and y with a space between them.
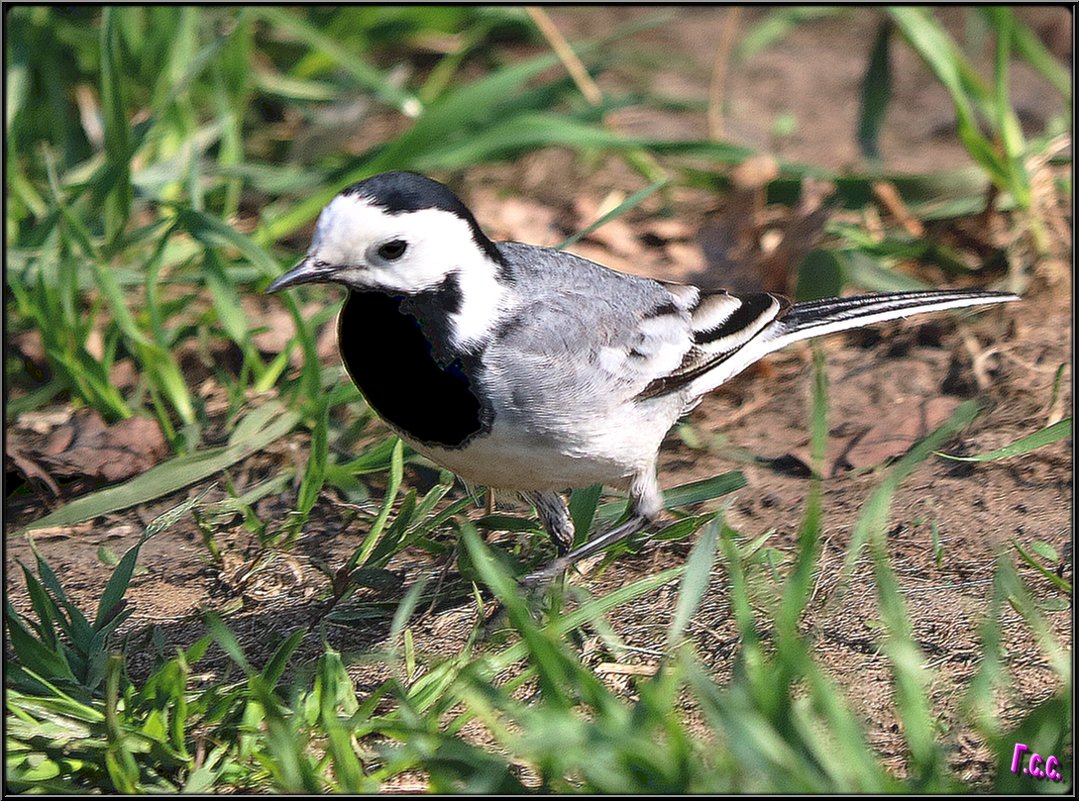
pixel 28 467
pixel 660 232
pixel 516 219
pixel 85 446
pixel 859 447
pixel 745 257
pixel 42 421
pixel 622 669
pixel 686 257
pixel 616 235
pixel 899 429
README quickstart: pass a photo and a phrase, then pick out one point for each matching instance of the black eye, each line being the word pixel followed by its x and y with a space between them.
pixel 393 250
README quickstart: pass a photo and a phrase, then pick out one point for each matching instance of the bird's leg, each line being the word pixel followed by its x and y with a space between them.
pixel 647 502
pixel 562 563
pixel 554 515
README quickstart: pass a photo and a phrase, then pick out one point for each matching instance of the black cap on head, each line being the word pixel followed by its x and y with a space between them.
pixel 400 192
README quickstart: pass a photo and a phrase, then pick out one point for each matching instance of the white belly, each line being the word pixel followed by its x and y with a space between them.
pixel 507 459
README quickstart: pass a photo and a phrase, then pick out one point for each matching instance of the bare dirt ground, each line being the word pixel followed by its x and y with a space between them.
pixel 1006 357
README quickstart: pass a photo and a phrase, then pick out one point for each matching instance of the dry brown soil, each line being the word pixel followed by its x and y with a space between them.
pixel 748 425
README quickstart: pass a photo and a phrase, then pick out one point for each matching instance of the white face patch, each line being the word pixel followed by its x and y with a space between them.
pixel 351 230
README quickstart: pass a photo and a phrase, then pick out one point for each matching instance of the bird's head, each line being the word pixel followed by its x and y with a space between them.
pixel 397 232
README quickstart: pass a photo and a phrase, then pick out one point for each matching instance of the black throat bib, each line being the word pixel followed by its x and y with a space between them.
pixel 400 359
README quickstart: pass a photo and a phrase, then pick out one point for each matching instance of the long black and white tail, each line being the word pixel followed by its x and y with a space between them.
pixel 819 317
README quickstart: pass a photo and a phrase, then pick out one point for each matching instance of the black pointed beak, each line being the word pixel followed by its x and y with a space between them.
pixel 307 271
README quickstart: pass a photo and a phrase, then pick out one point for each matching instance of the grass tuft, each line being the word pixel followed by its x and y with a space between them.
pixel 164 164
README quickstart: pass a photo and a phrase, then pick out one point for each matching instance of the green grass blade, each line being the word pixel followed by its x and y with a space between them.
pixel 32 653
pixel 462 108
pixel 548 659
pixel 117 128
pixel 911 679
pixel 776 25
pixel 630 203
pixel 1020 599
pixel 121 576
pixel 172 475
pixel 228 642
pixel 225 298
pixel 275 666
pixel 403 614
pixel 112 293
pixel 363 553
pixel 875 514
pixel 695 581
pixel 520 133
pixel 910 676
pixel 1006 120
pixel 1030 47
pixel 797 589
pixel 582 509
pixel 1049 575
pixel 1046 730
pixel 979 701
pixel 457 111
pixel 942 56
pixel 704 490
pixel 314 476
pixel 364 74
pixel 214 233
pixel 864 271
pixel 1039 439
pixel 694 492
pixel 876 93
pixel 335 683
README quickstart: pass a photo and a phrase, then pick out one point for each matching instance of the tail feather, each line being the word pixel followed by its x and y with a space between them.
pixel 819 317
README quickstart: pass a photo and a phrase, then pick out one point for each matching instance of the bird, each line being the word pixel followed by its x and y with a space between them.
pixel 525 368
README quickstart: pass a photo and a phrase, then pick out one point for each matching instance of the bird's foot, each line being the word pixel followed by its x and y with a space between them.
pixel 544 575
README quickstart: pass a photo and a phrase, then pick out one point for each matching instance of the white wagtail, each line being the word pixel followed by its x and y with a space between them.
pixel 525 368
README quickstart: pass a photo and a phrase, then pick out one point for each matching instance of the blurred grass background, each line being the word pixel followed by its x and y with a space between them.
pixel 163 165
